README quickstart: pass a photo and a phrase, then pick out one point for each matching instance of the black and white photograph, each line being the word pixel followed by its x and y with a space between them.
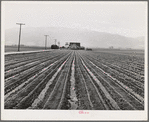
pixel 74 60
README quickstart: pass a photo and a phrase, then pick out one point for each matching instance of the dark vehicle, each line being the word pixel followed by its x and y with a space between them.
pixel 62 47
pixel 89 49
pixel 54 47
pixel 82 48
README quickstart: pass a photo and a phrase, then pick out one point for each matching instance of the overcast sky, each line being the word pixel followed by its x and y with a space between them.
pixel 124 18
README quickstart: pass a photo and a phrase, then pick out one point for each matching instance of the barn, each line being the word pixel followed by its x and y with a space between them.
pixel 74 45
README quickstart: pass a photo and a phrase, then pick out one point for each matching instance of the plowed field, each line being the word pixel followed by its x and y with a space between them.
pixel 73 79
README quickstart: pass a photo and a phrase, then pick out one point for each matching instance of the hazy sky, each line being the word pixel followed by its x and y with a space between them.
pixel 124 18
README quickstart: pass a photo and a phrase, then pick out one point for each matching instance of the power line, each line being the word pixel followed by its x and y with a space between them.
pixel 46 41
pixel 19 35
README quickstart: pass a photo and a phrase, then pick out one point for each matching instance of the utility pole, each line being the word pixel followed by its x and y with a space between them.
pixel 19 35
pixel 55 41
pixel 59 44
pixel 46 41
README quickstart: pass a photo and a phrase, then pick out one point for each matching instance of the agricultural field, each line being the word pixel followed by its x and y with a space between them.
pixel 22 48
pixel 74 80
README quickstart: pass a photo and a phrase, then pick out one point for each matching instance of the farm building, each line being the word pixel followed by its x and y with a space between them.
pixel 74 45
pixel 66 45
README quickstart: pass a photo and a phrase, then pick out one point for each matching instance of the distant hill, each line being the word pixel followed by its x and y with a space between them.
pixel 35 37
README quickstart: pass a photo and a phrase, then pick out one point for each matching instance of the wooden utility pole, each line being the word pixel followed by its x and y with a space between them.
pixel 46 41
pixel 55 41
pixel 59 44
pixel 19 35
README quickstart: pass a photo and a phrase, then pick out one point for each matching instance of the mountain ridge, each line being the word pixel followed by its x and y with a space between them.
pixel 34 36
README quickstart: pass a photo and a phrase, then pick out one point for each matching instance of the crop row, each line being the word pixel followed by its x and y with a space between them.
pixel 24 88
pixel 68 80
pixel 126 93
